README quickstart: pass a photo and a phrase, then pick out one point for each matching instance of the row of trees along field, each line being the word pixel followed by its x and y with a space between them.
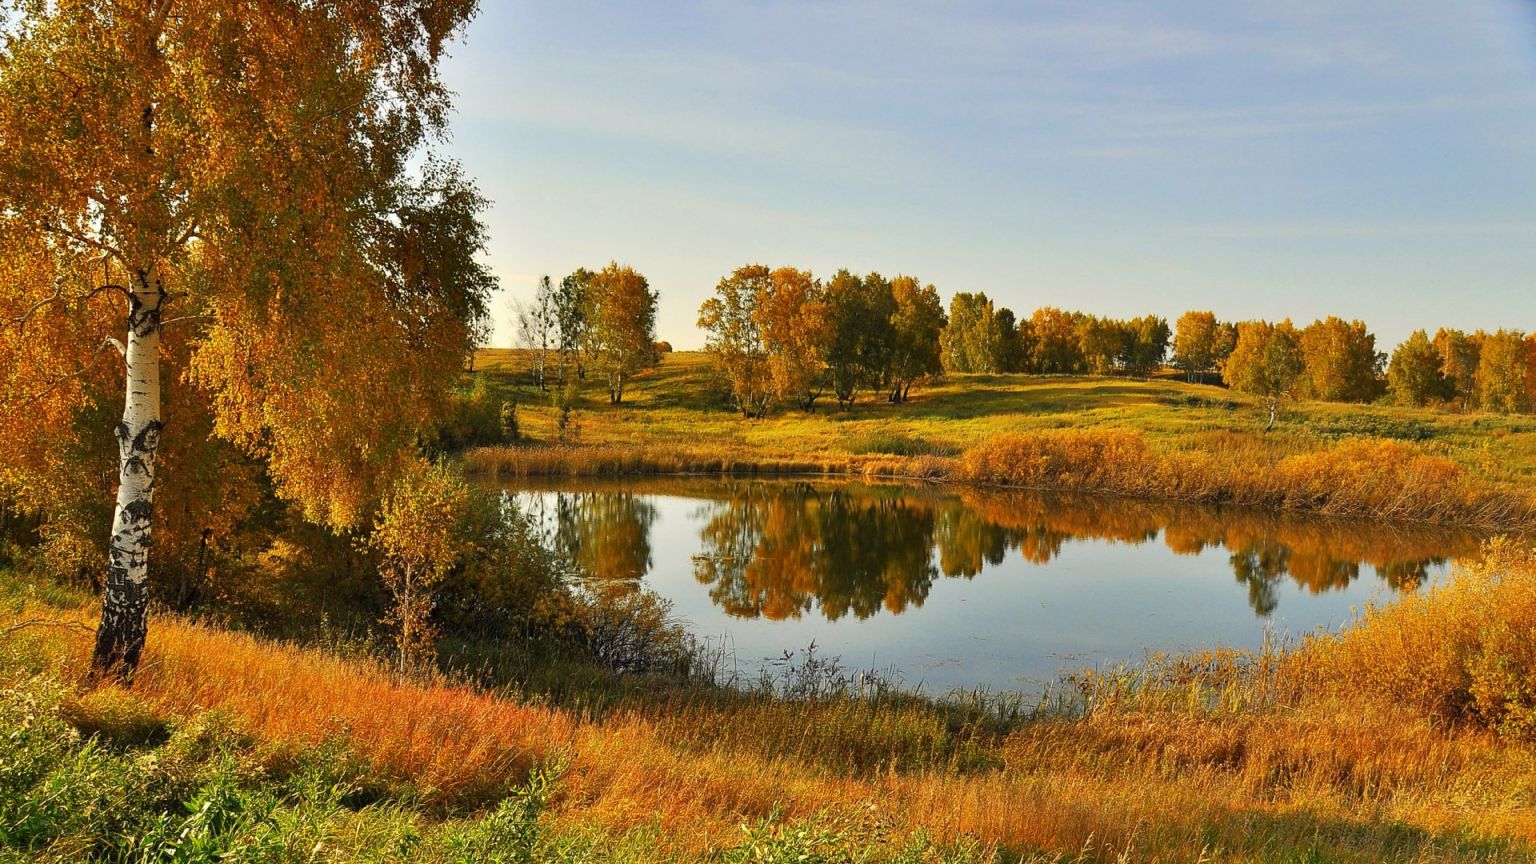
pixel 1337 361
pixel 782 336
pixel 603 321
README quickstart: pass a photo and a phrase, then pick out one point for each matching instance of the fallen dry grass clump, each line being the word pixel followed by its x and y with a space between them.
pixel 1355 477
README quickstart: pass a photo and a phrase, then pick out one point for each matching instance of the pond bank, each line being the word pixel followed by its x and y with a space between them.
pixel 1356 477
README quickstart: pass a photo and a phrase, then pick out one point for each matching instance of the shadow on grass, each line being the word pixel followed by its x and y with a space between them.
pixel 1288 838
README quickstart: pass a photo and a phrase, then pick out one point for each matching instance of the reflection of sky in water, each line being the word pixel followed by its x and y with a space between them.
pixel 1014 624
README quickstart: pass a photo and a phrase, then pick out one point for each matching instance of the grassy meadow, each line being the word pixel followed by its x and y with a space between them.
pixel 1159 437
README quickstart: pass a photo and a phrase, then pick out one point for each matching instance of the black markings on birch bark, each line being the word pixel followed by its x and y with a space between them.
pixel 125 597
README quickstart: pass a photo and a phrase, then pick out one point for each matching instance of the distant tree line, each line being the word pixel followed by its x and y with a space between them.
pixel 781 336
pixel 1480 370
pixel 983 337
pixel 1333 360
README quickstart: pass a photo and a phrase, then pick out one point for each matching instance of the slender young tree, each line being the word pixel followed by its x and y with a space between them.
pixel 571 306
pixel 733 320
pixel 536 329
pixel 238 170
pixel 917 323
pixel 1267 362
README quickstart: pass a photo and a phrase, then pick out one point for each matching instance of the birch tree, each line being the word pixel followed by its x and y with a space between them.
pixel 239 171
pixel 917 322
pixel 536 329
pixel 733 320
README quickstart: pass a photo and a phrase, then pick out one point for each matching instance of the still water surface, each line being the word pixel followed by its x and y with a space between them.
pixel 963 588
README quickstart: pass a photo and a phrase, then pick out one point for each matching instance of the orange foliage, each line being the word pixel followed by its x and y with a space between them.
pixel 1460 652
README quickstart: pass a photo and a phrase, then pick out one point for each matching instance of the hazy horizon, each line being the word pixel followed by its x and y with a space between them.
pixel 1366 160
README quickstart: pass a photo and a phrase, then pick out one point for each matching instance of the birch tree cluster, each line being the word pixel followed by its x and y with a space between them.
pixel 602 322
pixel 783 337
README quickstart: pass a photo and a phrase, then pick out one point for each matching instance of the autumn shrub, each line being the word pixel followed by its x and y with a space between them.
pixel 1092 460
pixel 1364 477
pixel 505 577
pixel 1463 651
pixel 626 630
pixel 473 417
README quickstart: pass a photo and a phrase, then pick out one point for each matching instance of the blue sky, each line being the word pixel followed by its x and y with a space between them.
pixel 1269 158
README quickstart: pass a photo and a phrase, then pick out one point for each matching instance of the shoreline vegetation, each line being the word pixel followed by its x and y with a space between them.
pixel 1390 467
pixel 1384 480
pixel 1406 737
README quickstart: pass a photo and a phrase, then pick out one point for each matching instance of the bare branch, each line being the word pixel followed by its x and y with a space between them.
pixel 86 240
pixel 58 297
pixel 46 622
pixel 168 322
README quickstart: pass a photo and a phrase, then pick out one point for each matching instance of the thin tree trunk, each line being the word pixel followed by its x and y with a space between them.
pixel 125 598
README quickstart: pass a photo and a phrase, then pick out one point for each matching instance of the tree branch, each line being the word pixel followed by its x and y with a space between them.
pixel 168 322
pixel 106 342
pixel 45 622
pixel 58 297
pixel 92 242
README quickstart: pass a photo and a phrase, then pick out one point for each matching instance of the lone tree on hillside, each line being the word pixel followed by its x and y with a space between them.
pixel 236 172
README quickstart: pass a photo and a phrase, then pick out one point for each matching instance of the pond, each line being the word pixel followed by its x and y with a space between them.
pixel 962 588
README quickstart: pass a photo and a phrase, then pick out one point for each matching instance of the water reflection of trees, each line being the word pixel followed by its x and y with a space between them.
pixel 770 550
pixel 777 550
pixel 606 534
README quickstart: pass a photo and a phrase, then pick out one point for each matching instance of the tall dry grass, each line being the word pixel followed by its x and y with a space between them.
pixel 1460 653
pixel 601 460
pixel 1355 477
pixel 1177 760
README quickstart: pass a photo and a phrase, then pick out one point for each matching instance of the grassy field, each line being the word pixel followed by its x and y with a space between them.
pixel 680 402
pixel 229 747
pixel 1199 442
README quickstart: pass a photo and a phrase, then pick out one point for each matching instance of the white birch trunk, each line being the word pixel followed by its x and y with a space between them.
pixel 125 599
